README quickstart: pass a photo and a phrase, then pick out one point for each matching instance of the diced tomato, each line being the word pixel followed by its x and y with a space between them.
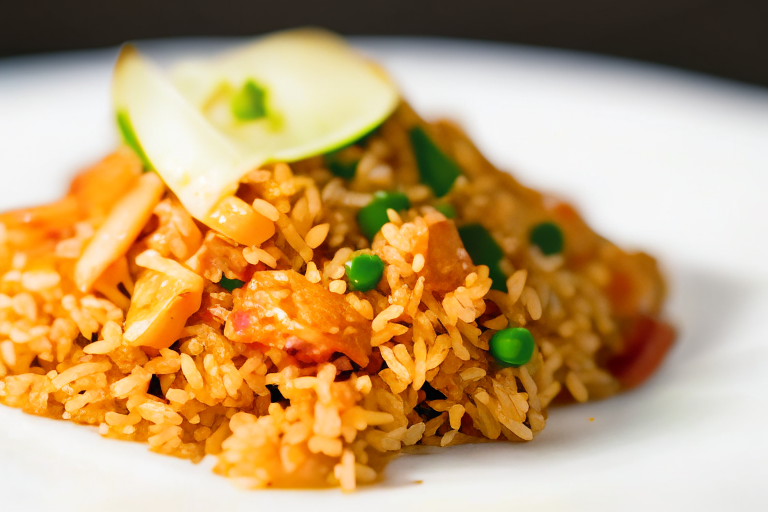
pixel 636 286
pixel 645 346
pixel 619 291
pixel 447 262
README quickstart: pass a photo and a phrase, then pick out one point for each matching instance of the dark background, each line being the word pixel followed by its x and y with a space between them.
pixel 724 38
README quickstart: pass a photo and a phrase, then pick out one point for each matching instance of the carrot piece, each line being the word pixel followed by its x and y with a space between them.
pixel 119 230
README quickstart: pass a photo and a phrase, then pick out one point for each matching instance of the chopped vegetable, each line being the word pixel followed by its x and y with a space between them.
pixel 190 155
pixel 129 137
pixel 436 168
pixel 236 219
pixel 230 284
pixel 364 272
pixel 484 250
pixel 548 237
pixel 326 95
pixel 583 243
pixel 166 294
pixel 322 95
pixel 512 347
pixel 281 308
pixel 341 167
pixel 372 217
pixel 645 347
pixel 447 262
pixel 250 102
pixel 635 286
pixel 446 209
pixel 119 230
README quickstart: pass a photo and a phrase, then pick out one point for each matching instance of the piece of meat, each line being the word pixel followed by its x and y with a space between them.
pixel 282 309
pixel 447 262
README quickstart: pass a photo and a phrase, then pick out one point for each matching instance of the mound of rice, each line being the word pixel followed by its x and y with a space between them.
pixel 421 372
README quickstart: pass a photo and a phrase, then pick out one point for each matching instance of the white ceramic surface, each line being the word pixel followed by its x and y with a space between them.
pixel 671 162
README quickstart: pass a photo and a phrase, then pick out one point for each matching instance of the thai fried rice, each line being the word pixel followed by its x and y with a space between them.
pixel 325 396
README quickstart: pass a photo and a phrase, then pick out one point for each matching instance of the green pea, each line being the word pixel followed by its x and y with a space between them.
pixel 512 347
pixel 129 137
pixel 484 250
pixel 249 103
pixel 548 237
pixel 446 209
pixel 437 169
pixel 364 272
pixel 230 284
pixel 374 215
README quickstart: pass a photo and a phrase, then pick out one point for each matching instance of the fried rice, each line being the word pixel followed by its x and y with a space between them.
pixel 290 378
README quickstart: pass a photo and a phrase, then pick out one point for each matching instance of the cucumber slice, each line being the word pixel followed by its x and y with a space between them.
pixel 196 161
pixel 318 94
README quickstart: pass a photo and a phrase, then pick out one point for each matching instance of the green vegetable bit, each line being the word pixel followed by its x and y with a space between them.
pixel 373 216
pixel 512 347
pixel 446 209
pixel 364 272
pixel 230 284
pixel 343 168
pixel 548 237
pixel 484 250
pixel 129 137
pixel 249 103
pixel 437 169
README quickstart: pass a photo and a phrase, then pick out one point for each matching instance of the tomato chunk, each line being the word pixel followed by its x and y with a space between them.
pixel 636 286
pixel 281 308
pixel 447 262
pixel 645 347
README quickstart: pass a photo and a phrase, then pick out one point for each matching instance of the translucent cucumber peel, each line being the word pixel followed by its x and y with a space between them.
pixel 194 160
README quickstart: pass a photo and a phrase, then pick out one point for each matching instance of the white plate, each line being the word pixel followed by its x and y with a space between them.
pixel 672 162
